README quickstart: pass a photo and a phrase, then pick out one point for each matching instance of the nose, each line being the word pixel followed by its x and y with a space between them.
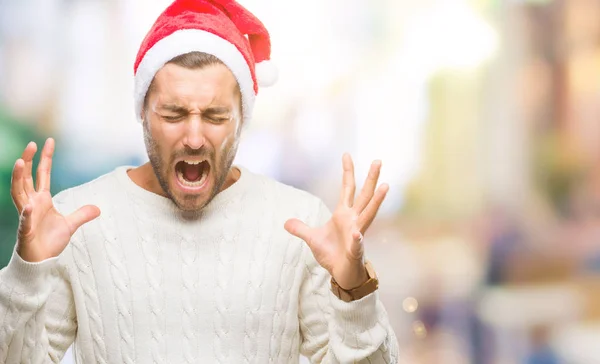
pixel 194 134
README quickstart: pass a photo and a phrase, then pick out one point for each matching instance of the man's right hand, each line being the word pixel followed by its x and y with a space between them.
pixel 43 232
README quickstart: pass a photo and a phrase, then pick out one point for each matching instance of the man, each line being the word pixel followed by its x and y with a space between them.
pixel 188 259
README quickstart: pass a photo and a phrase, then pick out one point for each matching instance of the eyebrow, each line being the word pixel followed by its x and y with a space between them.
pixel 174 108
pixel 217 110
pixel 182 110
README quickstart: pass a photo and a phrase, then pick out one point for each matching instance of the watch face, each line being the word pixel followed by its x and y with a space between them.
pixel 370 286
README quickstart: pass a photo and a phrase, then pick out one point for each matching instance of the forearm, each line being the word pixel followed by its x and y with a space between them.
pixel 335 331
pixel 25 289
pixel 360 331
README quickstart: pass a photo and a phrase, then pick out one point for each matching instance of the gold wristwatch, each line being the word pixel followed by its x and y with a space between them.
pixel 359 292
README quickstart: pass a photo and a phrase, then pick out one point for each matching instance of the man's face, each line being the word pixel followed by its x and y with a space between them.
pixel 191 130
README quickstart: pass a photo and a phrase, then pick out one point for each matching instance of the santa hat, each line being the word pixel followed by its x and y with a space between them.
pixel 222 28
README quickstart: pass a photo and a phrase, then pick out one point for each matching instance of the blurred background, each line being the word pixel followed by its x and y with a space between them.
pixel 484 112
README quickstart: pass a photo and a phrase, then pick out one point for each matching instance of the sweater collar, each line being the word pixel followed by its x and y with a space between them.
pixel 164 206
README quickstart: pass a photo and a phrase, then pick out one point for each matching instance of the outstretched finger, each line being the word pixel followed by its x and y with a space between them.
pixel 366 193
pixel 299 230
pixel 17 192
pixel 348 182
pixel 27 157
pixel 84 215
pixel 45 166
pixel 368 215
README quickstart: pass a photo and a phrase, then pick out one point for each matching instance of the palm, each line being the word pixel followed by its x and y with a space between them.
pixel 43 231
pixel 334 240
pixel 338 245
pixel 51 233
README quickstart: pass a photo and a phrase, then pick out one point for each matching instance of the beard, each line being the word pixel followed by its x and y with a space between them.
pixel 164 169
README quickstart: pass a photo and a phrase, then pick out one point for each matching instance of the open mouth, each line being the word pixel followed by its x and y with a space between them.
pixel 192 173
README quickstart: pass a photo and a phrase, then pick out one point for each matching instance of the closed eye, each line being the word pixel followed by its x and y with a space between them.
pixel 217 119
pixel 172 118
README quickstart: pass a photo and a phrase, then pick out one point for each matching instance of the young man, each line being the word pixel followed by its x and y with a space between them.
pixel 188 259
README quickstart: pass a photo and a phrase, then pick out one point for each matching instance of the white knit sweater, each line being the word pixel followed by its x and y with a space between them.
pixel 144 284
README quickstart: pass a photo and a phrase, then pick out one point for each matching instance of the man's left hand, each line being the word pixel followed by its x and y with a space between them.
pixel 338 245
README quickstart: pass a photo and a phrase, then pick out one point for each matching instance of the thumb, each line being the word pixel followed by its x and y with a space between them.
pixel 25 221
pixel 299 229
pixel 83 215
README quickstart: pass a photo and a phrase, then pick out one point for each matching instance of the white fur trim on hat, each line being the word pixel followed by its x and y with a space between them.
pixel 189 40
pixel 266 73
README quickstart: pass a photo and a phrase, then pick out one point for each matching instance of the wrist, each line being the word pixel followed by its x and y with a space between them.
pixel 31 255
pixel 25 254
pixel 367 287
pixel 354 280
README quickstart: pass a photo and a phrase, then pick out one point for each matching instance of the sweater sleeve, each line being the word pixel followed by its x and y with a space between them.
pixel 37 315
pixel 334 331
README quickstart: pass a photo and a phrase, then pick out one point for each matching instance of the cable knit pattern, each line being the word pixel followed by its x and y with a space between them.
pixel 188 300
pixel 37 328
pixel 120 278
pixel 151 250
pixel 26 333
pixel 254 289
pixel 152 285
pixel 30 335
pixel 223 274
pixel 10 317
pixel 82 261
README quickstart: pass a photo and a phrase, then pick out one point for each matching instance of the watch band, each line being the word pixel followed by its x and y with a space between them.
pixel 370 286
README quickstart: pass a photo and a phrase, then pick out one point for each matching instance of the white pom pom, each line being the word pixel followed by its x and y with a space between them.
pixel 266 73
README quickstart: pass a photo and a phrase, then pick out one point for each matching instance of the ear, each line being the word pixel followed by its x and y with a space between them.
pixel 146 100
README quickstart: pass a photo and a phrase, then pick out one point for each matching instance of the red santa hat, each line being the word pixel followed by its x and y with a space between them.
pixel 222 28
